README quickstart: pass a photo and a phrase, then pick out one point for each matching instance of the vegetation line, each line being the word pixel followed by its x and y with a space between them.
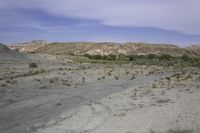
pixel 150 59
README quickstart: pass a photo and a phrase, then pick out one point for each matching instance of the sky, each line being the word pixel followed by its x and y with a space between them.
pixel 152 21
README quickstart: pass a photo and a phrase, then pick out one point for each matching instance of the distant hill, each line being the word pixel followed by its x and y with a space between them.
pixel 105 48
pixel 28 47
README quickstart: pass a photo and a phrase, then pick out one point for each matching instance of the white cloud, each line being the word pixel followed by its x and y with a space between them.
pixel 178 15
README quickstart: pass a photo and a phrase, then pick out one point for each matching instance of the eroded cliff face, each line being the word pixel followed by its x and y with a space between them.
pixel 106 48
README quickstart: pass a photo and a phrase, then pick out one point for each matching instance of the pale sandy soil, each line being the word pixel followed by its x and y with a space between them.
pixel 63 97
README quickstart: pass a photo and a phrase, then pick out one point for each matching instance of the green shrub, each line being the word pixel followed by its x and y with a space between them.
pixel 165 57
pixel 33 65
pixel 133 77
pixel 134 57
pixel 94 57
pixel 117 78
pixel 130 58
pixel 97 57
pixel 152 56
pixel 111 57
pixel 149 59
pixel 185 57
pixel 87 55
pixel 122 55
pixel 83 79
pixel 100 57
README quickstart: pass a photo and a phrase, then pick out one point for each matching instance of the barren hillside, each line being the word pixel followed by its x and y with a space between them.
pixel 7 53
pixel 104 48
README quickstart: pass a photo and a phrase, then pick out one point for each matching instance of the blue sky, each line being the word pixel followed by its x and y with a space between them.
pixel 153 21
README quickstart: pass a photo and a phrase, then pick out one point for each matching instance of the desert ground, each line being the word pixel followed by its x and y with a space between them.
pixel 65 97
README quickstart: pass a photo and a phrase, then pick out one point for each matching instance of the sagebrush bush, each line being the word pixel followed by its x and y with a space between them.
pixel 116 77
pixel 83 79
pixel 33 65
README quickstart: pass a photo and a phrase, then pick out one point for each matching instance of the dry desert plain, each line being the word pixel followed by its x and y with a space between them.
pixel 65 97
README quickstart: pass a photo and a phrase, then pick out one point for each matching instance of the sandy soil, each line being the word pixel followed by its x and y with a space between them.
pixel 63 97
